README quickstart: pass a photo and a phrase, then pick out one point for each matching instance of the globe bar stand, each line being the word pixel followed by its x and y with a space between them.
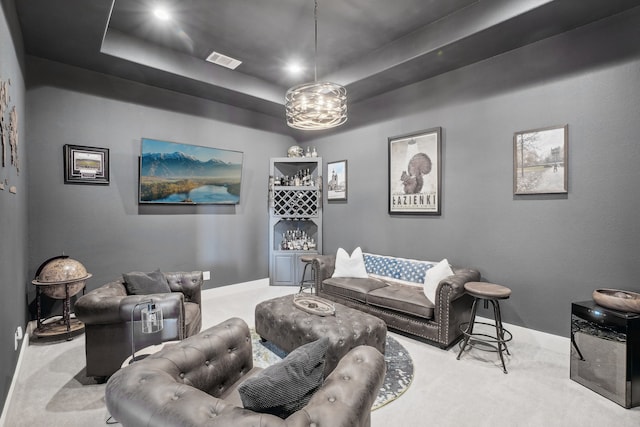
pixel 59 278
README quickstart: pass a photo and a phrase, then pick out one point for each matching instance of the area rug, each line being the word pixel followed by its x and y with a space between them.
pixel 396 381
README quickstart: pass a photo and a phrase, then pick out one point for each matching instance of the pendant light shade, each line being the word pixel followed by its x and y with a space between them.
pixel 316 105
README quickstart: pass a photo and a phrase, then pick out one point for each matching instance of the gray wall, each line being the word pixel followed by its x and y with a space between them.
pixel 13 207
pixel 103 226
pixel 549 250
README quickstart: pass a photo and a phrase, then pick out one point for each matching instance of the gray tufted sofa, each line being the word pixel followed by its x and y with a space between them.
pixel 403 308
pixel 194 383
pixel 106 313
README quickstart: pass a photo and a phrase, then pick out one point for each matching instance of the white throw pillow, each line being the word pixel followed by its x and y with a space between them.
pixel 350 266
pixel 433 276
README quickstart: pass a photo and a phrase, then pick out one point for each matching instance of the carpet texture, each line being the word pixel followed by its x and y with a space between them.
pixel 396 381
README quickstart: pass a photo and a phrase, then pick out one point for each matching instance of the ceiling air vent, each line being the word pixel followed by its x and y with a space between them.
pixel 223 60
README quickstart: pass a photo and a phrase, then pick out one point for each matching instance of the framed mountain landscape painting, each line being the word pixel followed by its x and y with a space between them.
pixel 176 173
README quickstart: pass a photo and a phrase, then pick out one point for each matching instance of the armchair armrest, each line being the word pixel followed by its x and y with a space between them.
pixel 101 306
pixel 352 386
pixel 188 282
pixel 323 267
pixel 108 304
pixel 170 304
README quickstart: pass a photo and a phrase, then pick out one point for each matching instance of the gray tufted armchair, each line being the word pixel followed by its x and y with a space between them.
pixel 106 313
pixel 194 383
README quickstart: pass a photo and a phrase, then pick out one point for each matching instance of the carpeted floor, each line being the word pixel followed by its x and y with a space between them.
pixel 51 388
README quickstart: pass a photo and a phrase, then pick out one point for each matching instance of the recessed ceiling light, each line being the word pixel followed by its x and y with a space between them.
pixel 294 68
pixel 161 13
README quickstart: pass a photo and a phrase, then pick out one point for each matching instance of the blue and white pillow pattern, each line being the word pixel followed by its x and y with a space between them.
pixel 380 265
pixel 402 270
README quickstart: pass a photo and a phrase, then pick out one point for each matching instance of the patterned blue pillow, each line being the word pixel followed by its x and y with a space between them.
pixel 380 265
pixel 403 270
pixel 412 271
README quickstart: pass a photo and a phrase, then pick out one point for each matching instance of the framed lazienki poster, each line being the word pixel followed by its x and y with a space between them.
pixel 337 181
pixel 540 161
pixel 415 183
pixel 86 165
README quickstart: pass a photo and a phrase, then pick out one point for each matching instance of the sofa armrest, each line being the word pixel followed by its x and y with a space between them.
pixel 323 267
pixel 456 283
pixel 453 306
pixel 188 282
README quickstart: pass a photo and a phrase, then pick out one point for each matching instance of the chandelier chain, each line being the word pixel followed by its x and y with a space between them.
pixel 317 105
pixel 315 56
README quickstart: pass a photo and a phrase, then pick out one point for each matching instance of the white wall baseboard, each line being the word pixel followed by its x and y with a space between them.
pixel 7 402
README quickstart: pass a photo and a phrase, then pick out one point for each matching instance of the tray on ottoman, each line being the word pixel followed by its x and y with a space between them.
pixel 281 322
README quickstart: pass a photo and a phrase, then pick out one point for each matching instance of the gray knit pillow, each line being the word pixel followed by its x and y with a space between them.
pixel 287 386
pixel 139 283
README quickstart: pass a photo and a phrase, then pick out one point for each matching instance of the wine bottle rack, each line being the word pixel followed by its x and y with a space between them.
pixel 296 202
pixel 295 216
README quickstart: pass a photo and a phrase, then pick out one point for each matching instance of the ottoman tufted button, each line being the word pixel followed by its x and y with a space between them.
pixel 182 375
pixel 207 363
pixel 332 399
pixel 346 378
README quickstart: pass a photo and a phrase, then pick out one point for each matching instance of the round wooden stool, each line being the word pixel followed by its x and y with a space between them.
pixel 488 293
pixel 304 282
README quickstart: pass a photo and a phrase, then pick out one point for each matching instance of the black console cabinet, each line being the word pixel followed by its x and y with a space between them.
pixel 605 352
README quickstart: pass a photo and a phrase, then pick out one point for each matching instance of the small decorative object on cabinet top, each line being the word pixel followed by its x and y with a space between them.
pixel 616 299
pixel 295 151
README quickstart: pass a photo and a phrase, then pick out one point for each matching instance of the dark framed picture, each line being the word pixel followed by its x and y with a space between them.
pixel 415 180
pixel 86 165
pixel 337 180
pixel 540 161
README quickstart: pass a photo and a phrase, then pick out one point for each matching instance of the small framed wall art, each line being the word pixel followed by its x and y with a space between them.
pixel 540 161
pixel 415 180
pixel 86 165
pixel 337 180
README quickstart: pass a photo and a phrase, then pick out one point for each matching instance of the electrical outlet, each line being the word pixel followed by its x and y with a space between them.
pixel 206 275
pixel 17 337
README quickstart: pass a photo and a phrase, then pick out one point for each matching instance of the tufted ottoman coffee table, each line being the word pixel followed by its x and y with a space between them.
pixel 279 321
